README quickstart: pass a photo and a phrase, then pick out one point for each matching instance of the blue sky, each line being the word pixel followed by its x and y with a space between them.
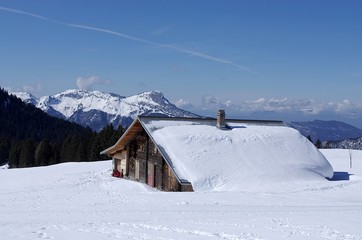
pixel 302 58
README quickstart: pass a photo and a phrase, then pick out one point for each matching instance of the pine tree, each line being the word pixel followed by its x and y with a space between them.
pixel 14 154
pixel 43 153
pixel 27 153
pixel 4 151
pixel 68 149
pixel 118 133
pixel 55 156
pixel 81 152
pixel 105 138
pixel 95 148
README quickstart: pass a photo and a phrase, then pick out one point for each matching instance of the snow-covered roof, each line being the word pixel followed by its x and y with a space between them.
pixel 249 152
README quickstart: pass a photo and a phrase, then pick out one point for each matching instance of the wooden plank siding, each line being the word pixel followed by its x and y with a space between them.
pixel 145 152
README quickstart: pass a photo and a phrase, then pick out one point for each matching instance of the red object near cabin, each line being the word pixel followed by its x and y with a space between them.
pixel 116 173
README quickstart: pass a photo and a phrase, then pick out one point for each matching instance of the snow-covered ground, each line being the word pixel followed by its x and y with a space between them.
pixel 82 201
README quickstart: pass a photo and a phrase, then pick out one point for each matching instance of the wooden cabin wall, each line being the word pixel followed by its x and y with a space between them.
pixel 170 182
pixel 157 160
pixel 132 161
pixel 144 151
pixel 186 188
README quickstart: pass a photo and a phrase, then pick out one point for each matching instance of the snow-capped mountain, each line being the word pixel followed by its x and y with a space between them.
pixel 26 97
pixel 97 109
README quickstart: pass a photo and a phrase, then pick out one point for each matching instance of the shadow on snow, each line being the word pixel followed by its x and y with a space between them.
pixel 341 176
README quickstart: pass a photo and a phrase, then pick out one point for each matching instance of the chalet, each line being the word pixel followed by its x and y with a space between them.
pixel 142 153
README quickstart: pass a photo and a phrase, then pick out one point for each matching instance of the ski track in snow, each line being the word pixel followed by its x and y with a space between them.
pixel 310 231
pixel 82 201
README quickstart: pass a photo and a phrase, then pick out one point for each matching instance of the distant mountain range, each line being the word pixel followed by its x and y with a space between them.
pixel 97 109
pixel 327 130
pixel 332 134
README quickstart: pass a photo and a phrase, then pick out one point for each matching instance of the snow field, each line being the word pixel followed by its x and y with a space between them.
pixel 82 201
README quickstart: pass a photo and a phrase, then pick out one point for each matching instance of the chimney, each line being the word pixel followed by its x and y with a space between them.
pixel 220 119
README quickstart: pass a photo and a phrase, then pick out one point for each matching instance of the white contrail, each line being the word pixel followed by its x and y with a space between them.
pixel 208 57
pixel 192 53
pixel 129 37
pixel 23 13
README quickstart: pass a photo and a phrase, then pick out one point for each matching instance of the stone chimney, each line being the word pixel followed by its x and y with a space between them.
pixel 220 119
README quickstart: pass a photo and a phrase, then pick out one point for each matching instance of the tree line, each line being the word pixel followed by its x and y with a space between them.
pixel 319 144
pixel 31 153
pixel 29 137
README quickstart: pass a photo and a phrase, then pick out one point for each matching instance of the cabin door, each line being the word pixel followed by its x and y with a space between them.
pixel 151 175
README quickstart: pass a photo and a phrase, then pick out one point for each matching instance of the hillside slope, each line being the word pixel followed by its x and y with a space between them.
pixel 327 130
pixel 24 121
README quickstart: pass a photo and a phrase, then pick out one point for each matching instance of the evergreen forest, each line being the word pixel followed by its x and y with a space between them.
pixel 29 137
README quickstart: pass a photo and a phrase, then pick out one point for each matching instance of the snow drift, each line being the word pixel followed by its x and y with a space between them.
pixel 247 156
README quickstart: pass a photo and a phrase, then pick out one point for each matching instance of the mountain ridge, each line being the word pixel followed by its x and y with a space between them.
pixel 97 109
pixel 327 130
